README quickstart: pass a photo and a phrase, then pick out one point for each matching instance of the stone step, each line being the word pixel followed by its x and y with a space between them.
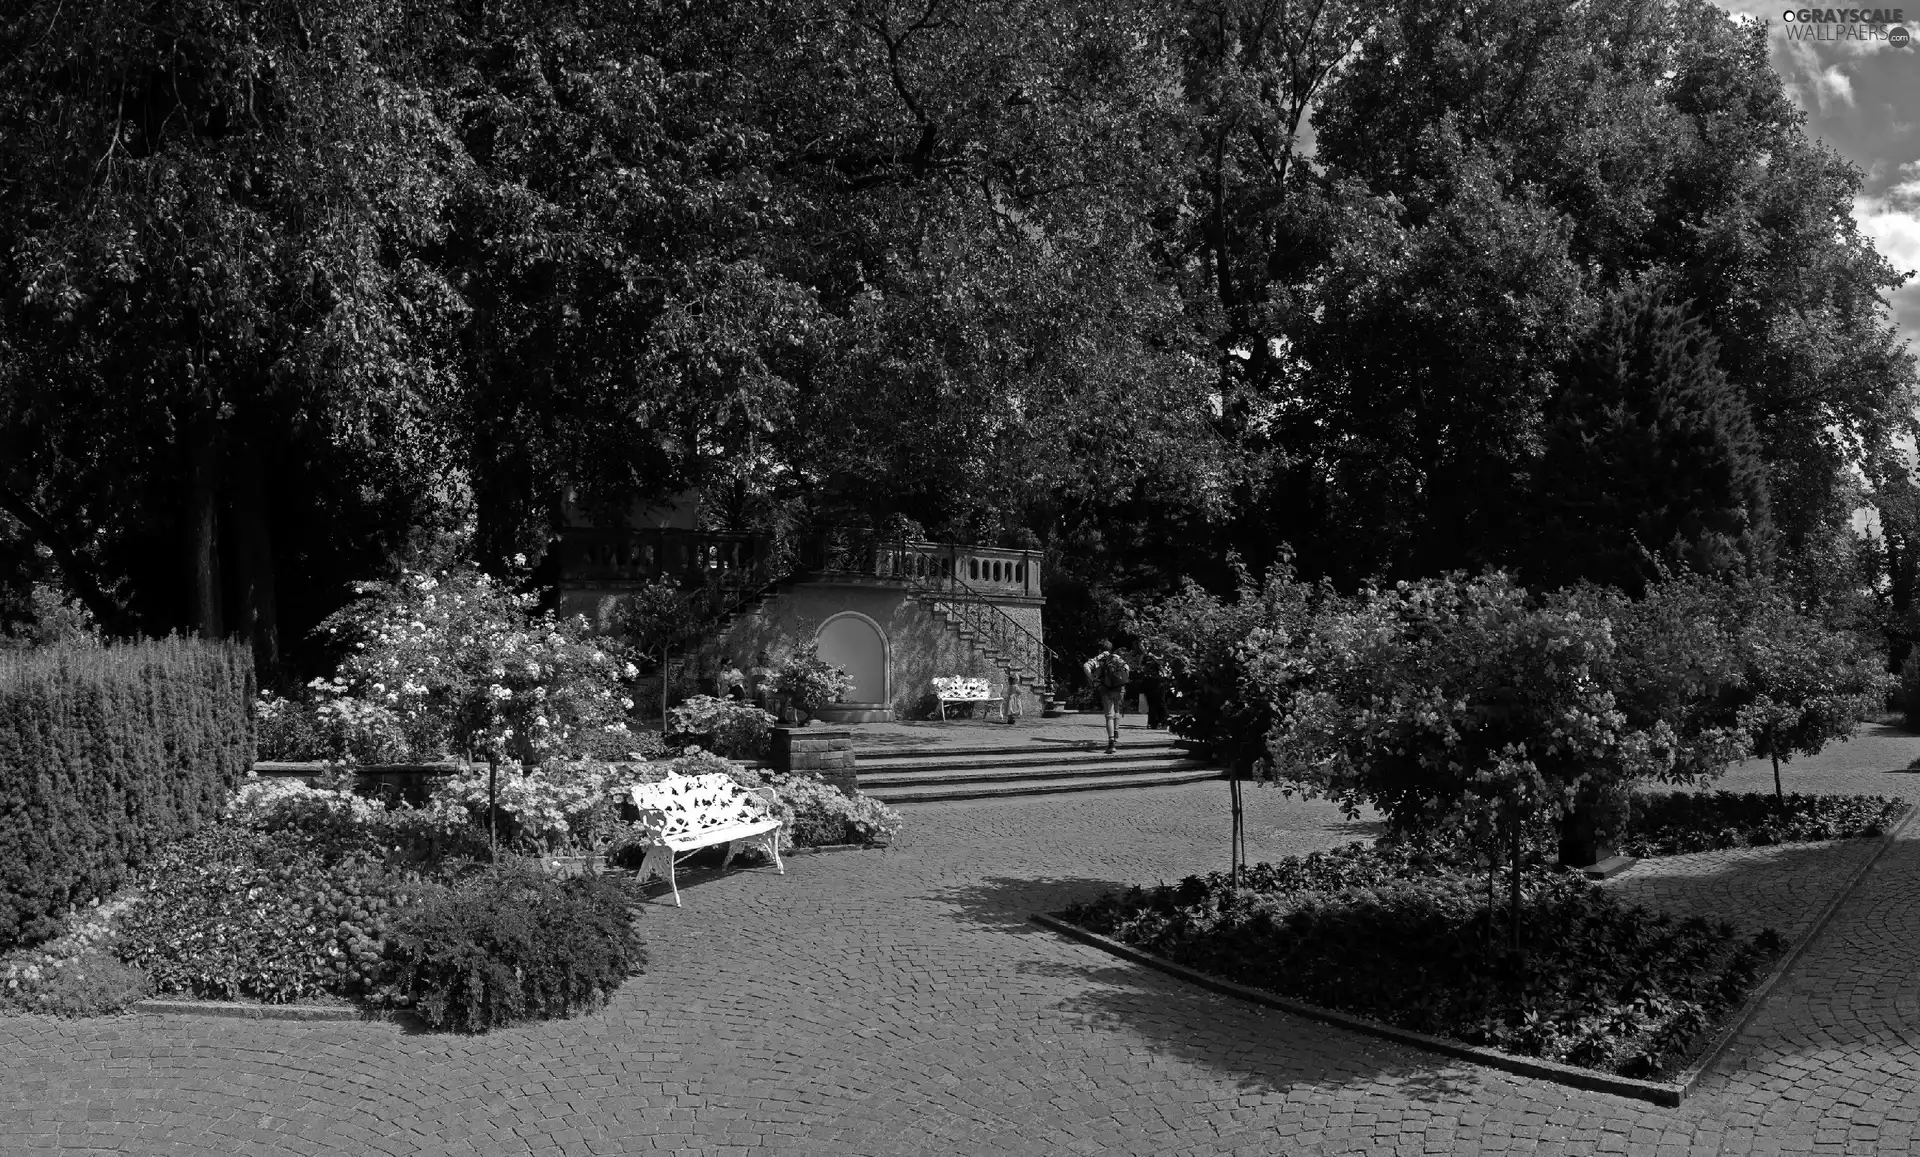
pixel 931 793
pixel 875 753
pixel 872 778
pixel 988 761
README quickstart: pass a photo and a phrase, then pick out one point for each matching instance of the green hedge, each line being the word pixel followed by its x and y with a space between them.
pixel 106 754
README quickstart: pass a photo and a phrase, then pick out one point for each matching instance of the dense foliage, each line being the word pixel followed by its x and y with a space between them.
pixel 1386 934
pixel 817 813
pixel 106 755
pixel 1210 647
pixel 276 916
pixel 521 946
pixel 1459 705
pixel 1676 823
pixel 1052 272
pixel 734 729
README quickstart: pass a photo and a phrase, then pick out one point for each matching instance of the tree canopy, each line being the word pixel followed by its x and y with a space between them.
pixel 291 288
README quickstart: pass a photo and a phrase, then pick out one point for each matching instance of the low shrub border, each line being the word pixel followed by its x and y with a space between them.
pixel 1681 823
pixel 1668 1093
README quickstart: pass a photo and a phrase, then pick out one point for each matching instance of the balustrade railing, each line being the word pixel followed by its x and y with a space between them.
pixel 983 569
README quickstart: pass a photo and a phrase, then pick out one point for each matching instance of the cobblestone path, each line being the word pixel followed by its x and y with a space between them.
pixel 898 1002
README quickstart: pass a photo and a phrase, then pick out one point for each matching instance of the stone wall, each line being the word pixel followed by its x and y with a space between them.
pixel 827 753
pixel 920 643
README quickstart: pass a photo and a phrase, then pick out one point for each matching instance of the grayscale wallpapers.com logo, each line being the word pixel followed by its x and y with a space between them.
pixel 1847 24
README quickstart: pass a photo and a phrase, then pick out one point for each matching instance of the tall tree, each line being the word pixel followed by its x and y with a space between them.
pixel 212 214
pixel 1650 454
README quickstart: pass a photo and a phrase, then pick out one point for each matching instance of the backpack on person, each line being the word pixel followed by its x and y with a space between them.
pixel 1113 672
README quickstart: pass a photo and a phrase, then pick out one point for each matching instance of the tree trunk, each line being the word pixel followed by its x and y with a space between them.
pixel 252 530
pixel 1779 794
pixel 493 795
pixel 1233 790
pixel 203 528
pixel 1516 895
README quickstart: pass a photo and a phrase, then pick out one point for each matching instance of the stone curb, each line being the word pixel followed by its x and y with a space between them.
pixel 1748 1011
pixel 1665 1093
pixel 819 848
pixel 1657 1092
pixel 239 1010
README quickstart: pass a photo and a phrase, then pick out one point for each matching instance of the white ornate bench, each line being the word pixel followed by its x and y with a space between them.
pixel 683 814
pixel 963 689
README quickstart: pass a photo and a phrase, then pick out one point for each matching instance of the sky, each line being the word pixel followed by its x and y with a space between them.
pixel 1863 99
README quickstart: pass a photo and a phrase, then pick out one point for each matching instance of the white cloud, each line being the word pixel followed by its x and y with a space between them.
pixel 1892 223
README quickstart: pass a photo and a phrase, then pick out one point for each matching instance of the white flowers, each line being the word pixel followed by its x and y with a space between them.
pixel 626 704
pixel 630 671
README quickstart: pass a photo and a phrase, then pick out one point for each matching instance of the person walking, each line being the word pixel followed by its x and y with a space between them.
pixel 1154 677
pixel 1108 673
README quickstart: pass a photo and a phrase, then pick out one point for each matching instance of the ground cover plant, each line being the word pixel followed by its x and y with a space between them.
pixel 1676 823
pixel 1409 940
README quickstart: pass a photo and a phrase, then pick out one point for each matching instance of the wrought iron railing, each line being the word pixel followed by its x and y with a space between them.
pixel 1021 652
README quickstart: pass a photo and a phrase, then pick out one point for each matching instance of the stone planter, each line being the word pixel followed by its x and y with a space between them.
pixel 565 866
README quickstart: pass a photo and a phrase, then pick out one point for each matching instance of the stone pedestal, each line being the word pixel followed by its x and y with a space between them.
pixel 822 751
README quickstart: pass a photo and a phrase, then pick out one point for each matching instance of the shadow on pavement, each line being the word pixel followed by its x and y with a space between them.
pixel 1262 1050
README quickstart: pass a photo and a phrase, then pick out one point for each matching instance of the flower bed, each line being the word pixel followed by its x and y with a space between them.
pixel 1677 823
pixel 310 892
pixel 1388 934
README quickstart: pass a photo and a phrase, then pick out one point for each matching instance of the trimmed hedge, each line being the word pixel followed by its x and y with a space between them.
pixel 106 755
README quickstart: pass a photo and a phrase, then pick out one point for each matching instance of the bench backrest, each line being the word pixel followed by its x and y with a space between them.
pixel 683 805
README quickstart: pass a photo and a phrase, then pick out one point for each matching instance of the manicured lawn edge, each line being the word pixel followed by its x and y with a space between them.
pixel 1665 1093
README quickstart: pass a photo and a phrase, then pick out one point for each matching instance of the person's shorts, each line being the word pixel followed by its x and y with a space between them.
pixel 1110 701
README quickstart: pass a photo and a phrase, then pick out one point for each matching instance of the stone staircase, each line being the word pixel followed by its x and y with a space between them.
pixel 898 775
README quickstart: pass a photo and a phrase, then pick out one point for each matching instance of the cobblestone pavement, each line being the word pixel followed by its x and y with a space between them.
pixel 898 1002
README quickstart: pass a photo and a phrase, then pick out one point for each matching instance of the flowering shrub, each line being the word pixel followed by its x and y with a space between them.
pixel 335 726
pixel 272 805
pixel 818 813
pixel 810 681
pixel 570 808
pixel 468 666
pixel 739 730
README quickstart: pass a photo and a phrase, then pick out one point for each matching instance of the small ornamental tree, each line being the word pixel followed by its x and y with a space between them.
pixel 471 667
pixel 1464 707
pixel 1805 683
pixel 1204 640
pixel 1675 661
pixel 1234 663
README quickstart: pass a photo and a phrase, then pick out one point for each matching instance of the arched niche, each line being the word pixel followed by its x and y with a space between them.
pixel 854 642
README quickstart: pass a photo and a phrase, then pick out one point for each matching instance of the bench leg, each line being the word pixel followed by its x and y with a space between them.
pixel 732 846
pixel 659 863
pixel 943 710
pixel 773 849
